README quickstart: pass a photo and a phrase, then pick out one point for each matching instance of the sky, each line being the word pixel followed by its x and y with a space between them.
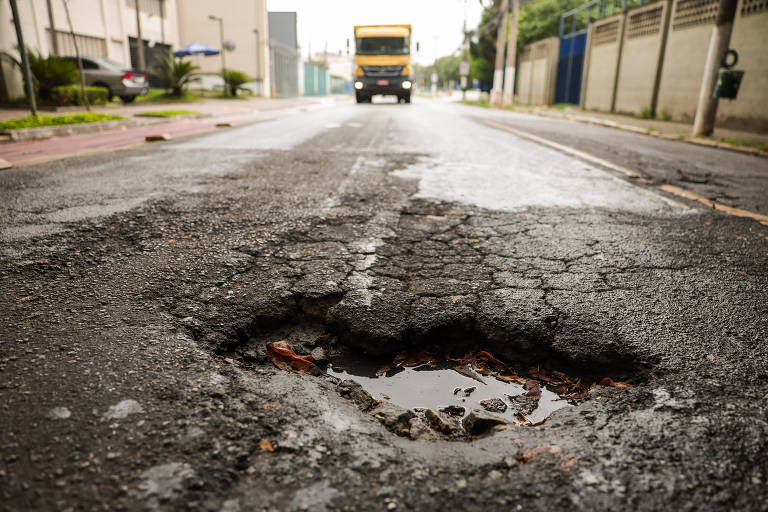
pixel 436 24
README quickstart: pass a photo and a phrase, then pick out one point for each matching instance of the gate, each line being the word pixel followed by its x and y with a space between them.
pixel 570 67
pixel 574 26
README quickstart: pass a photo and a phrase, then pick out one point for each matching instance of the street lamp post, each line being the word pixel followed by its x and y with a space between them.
pixel 258 55
pixel 223 58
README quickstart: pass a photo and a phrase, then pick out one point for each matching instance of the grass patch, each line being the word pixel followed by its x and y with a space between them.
pixel 161 96
pixel 563 106
pixel 39 121
pixel 167 113
pixel 749 143
pixel 476 103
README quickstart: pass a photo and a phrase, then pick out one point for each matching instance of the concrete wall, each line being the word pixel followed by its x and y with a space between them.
pixel 689 36
pixel 600 62
pixel 640 56
pixel 680 61
pixel 687 45
pixel 750 38
pixel 537 71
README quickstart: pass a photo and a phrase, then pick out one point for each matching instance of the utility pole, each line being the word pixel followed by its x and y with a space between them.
pixel 54 36
pixel 140 62
pixel 509 80
pixel 704 122
pixel 498 70
pixel 24 59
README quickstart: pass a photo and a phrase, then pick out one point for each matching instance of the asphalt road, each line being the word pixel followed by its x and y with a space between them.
pixel 138 289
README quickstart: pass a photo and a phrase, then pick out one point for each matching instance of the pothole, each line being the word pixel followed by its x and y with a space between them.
pixel 427 395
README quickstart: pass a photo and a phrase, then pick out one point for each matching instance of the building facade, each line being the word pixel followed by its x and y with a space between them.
pixel 109 28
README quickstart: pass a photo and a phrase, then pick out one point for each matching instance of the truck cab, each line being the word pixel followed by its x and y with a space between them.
pixel 383 62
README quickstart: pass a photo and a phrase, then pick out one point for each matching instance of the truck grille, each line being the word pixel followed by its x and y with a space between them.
pixel 382 71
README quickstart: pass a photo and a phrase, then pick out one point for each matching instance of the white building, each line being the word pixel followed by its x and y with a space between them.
pixel 108 28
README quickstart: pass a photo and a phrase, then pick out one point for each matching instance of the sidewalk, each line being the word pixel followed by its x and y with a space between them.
pixel 215 114
pixel 749 142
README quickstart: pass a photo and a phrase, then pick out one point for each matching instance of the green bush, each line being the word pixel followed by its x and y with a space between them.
pixel 234 79
pixel 174 72
pixel 65 95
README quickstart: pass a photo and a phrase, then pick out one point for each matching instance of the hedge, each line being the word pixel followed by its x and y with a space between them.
pixel 64 95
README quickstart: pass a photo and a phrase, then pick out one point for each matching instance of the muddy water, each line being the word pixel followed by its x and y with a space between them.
pixel 435 387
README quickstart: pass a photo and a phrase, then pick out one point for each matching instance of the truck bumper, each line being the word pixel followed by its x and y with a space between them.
pixel 384 86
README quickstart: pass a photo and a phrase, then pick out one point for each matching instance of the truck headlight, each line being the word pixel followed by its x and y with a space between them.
pixel 406 84
pixel 358 85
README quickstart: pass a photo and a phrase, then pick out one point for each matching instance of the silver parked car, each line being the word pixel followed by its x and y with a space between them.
pixel 118 79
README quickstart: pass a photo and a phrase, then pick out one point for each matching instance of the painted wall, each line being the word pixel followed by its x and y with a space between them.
pixel 640 57
pixel 537 70
pixel 601 60
pixel 690 24
pixel 686 52
pixel 750 39
pixel 241 19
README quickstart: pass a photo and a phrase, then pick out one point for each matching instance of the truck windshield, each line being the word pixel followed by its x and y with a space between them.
pixel 382 46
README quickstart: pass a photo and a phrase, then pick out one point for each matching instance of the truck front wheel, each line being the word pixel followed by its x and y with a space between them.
pixel 361 98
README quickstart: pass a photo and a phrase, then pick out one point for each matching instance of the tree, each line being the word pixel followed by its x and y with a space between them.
pixel 174 72
pixel 482 45
pixel 541 19
pixel 233 80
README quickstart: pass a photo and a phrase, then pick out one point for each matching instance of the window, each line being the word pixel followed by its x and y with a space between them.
pixel 383 46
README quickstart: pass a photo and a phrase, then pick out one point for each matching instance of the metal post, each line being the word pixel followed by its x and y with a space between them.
pixel 54 37
pixel 258 56
pixel 140 62
pixel 706 111
pixel 24 59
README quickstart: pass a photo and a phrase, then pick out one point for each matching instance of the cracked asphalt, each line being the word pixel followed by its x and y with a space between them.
pixel 138 288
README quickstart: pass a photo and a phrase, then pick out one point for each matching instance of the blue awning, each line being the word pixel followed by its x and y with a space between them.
pixel 195 49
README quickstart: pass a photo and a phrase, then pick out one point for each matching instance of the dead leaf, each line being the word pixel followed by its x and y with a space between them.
pixel 575 396
pixel 466 371
pixel 511 378
pixel 266 445
pixel 25 299
pixel 283 356
pixel 413 358
pixel 613 384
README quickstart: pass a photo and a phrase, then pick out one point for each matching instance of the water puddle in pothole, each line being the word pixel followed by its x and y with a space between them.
pixel 423 395
pixel 445 389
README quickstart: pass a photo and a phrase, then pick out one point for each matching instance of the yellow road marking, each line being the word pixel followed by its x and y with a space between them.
pixel 671 189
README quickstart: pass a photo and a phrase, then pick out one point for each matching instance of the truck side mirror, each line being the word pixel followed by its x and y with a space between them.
pixel 417 47
pixel 347 46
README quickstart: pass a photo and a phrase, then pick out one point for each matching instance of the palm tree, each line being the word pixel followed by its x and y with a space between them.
pixel 174 72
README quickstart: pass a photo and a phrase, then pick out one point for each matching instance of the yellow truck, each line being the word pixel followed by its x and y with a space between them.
pixel 383 62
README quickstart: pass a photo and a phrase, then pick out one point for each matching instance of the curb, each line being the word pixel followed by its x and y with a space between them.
pixel 48 132
pixel 652 133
